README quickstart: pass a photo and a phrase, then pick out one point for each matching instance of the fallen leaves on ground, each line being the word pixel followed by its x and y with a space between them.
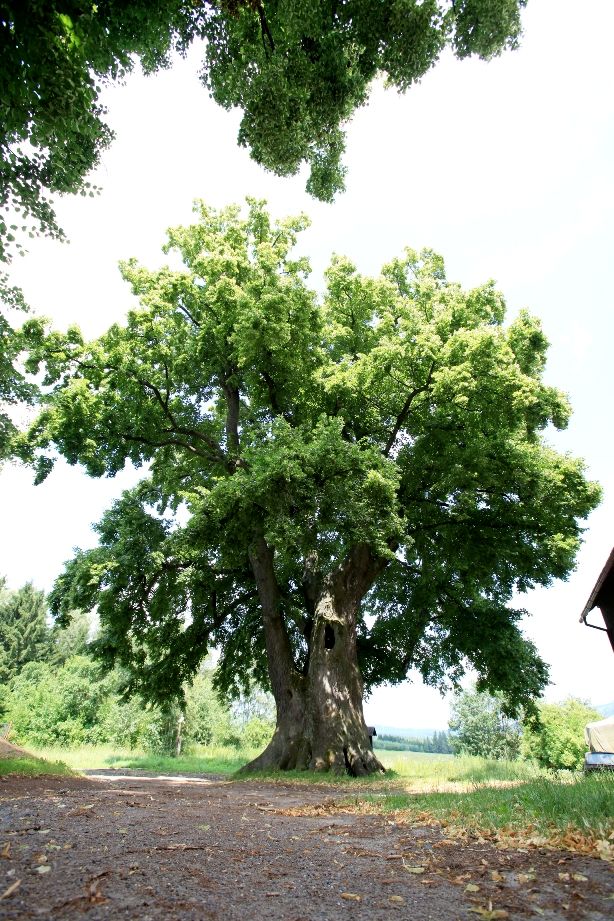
pixel 488 912
pixel 414 869
pixel 83 810
pixel 591 841
pixel 11 889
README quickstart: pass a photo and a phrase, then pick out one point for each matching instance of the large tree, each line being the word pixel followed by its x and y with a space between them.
pixel 338 490
pixel 296 69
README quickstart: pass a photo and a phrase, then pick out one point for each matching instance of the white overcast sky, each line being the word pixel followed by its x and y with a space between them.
pixel 504 168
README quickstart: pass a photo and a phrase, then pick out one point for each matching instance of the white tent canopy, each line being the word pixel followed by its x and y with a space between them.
pixel 600 735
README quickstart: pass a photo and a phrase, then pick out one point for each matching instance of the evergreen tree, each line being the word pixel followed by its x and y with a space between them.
pixel 24 633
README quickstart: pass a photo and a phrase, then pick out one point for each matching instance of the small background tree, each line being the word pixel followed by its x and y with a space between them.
pixel 24 633
pixel 479 726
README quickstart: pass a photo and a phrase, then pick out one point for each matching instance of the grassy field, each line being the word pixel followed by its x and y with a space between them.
pixel 415 770
pixel 203 760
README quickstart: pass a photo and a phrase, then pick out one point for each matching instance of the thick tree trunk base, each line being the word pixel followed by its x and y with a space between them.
pixel 352 757
pixel 320 720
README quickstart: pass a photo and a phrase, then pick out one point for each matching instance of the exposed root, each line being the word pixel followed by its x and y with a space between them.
pixel 296 755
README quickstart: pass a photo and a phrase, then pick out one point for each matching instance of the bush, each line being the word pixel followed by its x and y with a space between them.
pixel 125 722
pixel 257 732
pixel 74 702
pixel 558 741
pixel 50 705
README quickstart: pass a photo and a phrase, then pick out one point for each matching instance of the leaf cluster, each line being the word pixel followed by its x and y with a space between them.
pixel 297 71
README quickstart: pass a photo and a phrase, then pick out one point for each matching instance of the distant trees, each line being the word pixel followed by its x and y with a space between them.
pixel 479 726
pixel 60 705
pixel 75 703
pixel 557 741
pixel 54 693
pixel 438 743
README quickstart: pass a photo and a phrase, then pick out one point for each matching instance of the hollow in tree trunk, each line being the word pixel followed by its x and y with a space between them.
pixel 335 724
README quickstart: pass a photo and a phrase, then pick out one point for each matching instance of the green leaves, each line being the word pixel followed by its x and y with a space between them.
pixel 296 70
pixel 24 634
pixel 400 414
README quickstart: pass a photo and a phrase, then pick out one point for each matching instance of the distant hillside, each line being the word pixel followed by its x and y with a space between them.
pixel 408 733
pixel 606 709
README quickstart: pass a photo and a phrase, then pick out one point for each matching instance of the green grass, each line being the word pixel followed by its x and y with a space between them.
pixel 433 771
pixel 405 770
pixel 410 772
pixel 203 760
pixel 573 810
pixel 32 767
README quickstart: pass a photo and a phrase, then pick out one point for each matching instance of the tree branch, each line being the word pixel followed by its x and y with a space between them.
pixel 189 315
pixel 233 407
pixel 265 30
pixel 401 418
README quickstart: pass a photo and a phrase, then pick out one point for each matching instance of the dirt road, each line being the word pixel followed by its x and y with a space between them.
pixel 152 848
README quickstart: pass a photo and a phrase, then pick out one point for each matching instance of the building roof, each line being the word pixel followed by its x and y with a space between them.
pixel 593 600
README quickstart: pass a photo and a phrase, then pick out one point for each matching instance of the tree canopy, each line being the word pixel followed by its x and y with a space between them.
pixel 296 70
pixel 361 476
pixel 556 741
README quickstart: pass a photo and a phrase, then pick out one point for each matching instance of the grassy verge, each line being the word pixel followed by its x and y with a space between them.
pixel 32 767
pixel 405 771
pixel 412 772
pixel 573 812
pixel 203 760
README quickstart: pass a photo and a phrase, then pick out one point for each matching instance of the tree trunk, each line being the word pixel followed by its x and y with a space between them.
pixel 335 724
pixel 287 749
pixel 320 723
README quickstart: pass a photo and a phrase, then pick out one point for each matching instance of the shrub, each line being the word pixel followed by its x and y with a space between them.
pixel 557 742
pixel 52 705
pixel 257 732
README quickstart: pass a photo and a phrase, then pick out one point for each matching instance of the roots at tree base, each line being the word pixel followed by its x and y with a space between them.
pixel 297 753
pixel 320 722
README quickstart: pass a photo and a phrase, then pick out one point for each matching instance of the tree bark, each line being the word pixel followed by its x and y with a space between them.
pixel 288 749
pixel 320 723
pixel 335 724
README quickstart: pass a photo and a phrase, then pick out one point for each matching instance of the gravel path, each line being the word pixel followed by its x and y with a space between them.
pixel 114 846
